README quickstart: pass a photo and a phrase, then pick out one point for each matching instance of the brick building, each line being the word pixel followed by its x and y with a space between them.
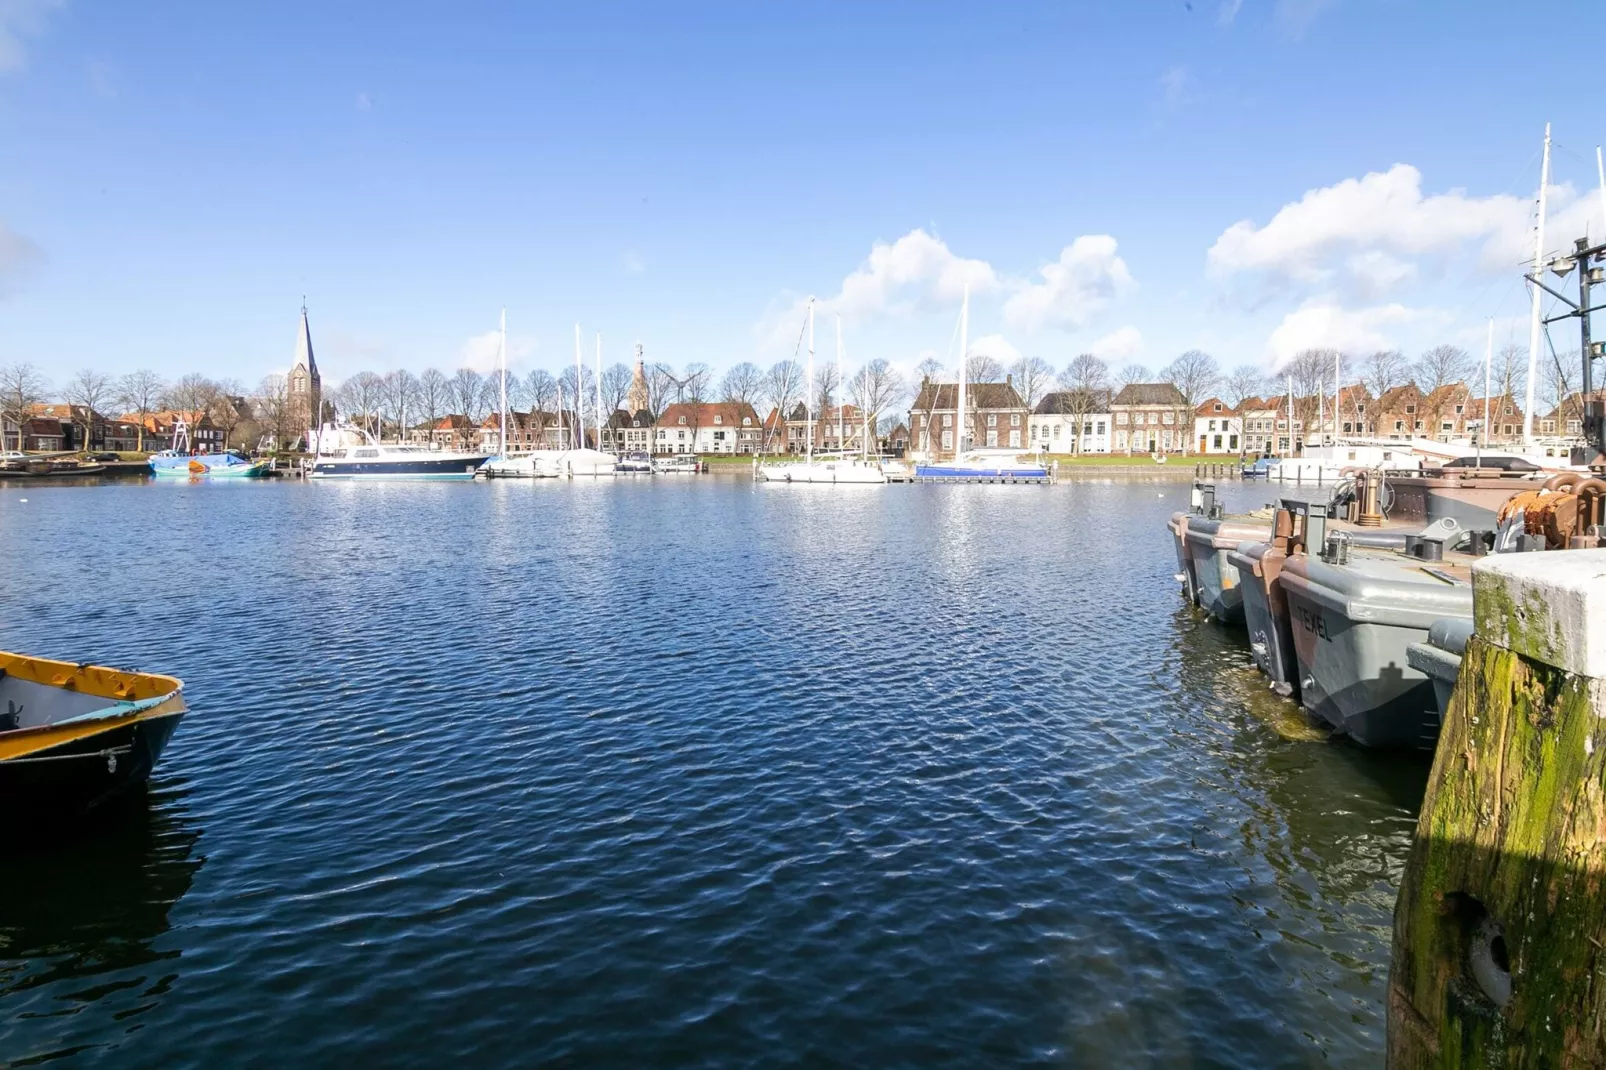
pixel 995 413
pixel 1151 418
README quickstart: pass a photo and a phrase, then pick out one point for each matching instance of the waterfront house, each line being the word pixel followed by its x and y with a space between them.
pixel 1151 418
pixel 160 428
pixel 895 443
pixel 708 427
pixel 628 432
pixel 1505 420
pixel 1071 421
pixel 1217 428
pixel 1259 418
pixel 996 414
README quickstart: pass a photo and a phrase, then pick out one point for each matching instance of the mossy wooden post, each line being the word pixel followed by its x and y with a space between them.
pixel 1500 928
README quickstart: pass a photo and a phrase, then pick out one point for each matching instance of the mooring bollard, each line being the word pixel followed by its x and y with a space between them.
pixel 1500 926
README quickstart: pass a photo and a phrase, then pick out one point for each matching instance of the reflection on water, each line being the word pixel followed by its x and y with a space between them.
pixel 689 772
pixel 82 913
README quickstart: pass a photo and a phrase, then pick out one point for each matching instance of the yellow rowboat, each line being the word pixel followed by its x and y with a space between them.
pixel 72 736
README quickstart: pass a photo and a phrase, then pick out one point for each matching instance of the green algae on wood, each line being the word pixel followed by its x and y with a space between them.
pixel 1500 928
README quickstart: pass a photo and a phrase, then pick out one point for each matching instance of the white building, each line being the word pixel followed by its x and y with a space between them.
pixel 1051 427
pixel 1218 428
pixel 723 427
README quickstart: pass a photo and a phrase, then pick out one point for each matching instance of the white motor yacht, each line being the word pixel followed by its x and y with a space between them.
pixel 345 451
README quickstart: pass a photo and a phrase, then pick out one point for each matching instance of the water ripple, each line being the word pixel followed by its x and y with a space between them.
pixel 684 772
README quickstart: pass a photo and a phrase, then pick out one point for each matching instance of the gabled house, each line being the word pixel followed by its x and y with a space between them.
pixel 1217 427
pixel 708 427
pixel 996 416
pixel 628 432
pixel 1151 418
pixel 1071 421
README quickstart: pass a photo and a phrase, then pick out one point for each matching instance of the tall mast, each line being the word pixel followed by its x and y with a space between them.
pixel 579 392
pixel 964 348
pixel 1600 169
pixel 808 388
pixel 599 390
pixel 1290 415
pixel 1321 404
pixel 1488 359
pixel 841 389
pixel 1336 389
pixel 501 416
pixel 1533 321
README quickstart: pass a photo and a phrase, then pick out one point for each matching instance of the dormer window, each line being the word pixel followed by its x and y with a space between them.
pixel 718 419
pixel 1410 409
pixel 747 421
pixel 682 421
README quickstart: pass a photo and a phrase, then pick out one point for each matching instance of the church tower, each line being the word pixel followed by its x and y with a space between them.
pixel 638 398
pixel 304 387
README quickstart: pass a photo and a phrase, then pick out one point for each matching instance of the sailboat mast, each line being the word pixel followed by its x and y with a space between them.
pixel 1336 389
pixel 808 388
pixel 599 390
pixel 1533 320
pixel 1488 360
pixel 501 416
pixel 1321 406
pixel 578 442
pixel 1290 416
pixel 842 394
pixel 964 348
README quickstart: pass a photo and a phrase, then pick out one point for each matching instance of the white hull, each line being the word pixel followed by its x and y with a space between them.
pixel 541 464
pixel 587 462
pixel 843 471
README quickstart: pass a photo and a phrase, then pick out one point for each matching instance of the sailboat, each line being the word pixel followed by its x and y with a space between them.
pixel 838 467
pixel 582 460
pixel 528 464
pixel 970 464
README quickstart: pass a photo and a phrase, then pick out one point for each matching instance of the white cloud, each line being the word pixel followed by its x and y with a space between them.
pixel 364 101
pixel 1359 228
pixel 1323 324
pixel 997 347
pixel 917 269
pixel 19 255
pixel 1174 87
pixel 481 351
pixel 1119 345
pixel 632 262
pixel 1077 286
pixel 1228 11
pixel 19 19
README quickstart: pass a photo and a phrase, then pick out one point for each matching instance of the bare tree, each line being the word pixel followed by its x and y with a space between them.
pixel 140 395
pixel 227 408
pixel 929 368
pixel 579 392
pixel 1510 372
pixel 1384 370
pixel 540 393
pixel 616 380
pixel 824 393
pixel 434 396
pixel 1131 373
pixel 1244 382
pixel 363 396
pixel 466 390
pixel 88 393
pixel 21 387
pixel 1086 381
pixel 983 368
pixel 398 397
pixel 744 383
pixel 272 405
pixel 192 395
pixel 876 389
pixel 1194 374
pixel 783 387
pixel 1033 378
pixel 1441 366
pixel 1307 371
pixel 662 388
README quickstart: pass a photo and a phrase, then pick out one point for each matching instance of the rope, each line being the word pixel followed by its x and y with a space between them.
pixel 110 752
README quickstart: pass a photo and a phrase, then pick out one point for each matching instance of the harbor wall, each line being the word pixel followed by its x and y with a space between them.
pixel 1499 955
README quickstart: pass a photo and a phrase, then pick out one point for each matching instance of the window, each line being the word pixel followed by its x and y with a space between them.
pixel 992 419
pixel 1459 409
pixel 1056 430
pixel 1446 427
pixel 746 420
pixel 1120 421
pixel 1232 442
pixel 1216 442
pixel 1418 425
pixel 1120 440
pixel 1410 409
pixel 1573 427
pixel 947 440
pixel 1014 439
pixel 682 420
pixel 1101 427
pixel 718 419
pixel 992 437
pixel 1212 426
pixel 1165 439
pixel 1166 419
pixel 947 420
pixel 1399 425
pixel 1014 419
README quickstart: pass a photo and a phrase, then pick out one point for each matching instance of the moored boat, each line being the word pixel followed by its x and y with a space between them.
pixel 984 466
pixel 230 464
pixel 73 736
pixel 824 468
pixel 349 452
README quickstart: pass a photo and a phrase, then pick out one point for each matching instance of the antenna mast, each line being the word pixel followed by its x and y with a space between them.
pixel 1533 323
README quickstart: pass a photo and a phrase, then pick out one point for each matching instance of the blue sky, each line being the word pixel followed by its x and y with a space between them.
pixel 1247 176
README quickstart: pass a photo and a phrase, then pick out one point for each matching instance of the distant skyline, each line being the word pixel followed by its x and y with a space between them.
pixel 1248 177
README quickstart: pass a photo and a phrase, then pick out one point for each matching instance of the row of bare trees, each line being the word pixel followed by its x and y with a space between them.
pixel 138 394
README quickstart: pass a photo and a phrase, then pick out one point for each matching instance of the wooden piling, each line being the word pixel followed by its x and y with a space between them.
pixel 1499 952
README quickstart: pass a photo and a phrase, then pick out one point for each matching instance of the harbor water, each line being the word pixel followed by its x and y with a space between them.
pixel 684 772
